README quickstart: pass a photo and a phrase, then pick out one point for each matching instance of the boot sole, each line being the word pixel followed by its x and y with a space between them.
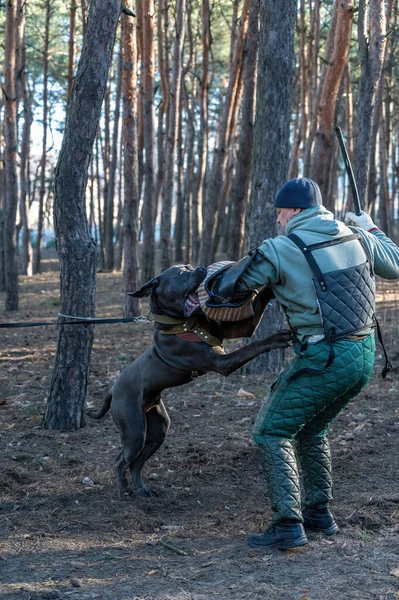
pixel 283 545
pixel 333 529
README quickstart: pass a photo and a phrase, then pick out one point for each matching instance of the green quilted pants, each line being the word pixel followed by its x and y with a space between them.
pixel 301 409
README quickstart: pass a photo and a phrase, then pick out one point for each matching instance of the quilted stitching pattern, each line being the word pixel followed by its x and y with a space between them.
pixel 303 408
pixel 279 463
pixel 348 305
pixel 293 404
pixel 315 459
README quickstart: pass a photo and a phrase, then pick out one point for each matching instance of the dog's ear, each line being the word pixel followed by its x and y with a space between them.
pixel 146 289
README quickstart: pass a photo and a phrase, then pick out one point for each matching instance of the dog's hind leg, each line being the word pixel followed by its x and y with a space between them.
pixel 120 466
pixel 131 422
pixel 157 427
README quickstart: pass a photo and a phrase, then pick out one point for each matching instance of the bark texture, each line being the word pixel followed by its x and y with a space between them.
pixel 147 73
pixel 10 139
pixel 276 67
pixel 42 191
pixel 174 102
pixel 199 196
pixel 71 47
pixel 76 249
pixel 109 220
pixel 24 179
pixel 239 195
pixel 325 139
pixel 215 185
pixel 130 165
pixel 372 40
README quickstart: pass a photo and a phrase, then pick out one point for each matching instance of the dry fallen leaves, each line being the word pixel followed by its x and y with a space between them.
pixel 394 571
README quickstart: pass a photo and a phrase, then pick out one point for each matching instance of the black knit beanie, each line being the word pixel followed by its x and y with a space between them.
pixel 300 192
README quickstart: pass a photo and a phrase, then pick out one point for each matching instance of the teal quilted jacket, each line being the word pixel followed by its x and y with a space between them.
pixel 281 264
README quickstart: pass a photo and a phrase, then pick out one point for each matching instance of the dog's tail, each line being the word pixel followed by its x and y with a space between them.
pixel 103 410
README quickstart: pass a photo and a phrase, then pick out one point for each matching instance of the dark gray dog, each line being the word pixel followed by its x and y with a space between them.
pixel 173 359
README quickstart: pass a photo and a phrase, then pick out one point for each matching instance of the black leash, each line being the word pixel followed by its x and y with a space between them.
pixel 76 321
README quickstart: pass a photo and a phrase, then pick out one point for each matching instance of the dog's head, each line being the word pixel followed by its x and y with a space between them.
pixel 172 292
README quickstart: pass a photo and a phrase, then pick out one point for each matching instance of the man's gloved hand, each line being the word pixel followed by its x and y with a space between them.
pixel 364 221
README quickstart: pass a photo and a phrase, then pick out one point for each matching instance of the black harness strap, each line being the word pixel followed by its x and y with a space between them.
pixel 327 243
pixel 388 363
pixel 308 249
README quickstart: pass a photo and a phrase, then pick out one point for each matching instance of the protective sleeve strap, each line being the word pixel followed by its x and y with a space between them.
pixel 307 252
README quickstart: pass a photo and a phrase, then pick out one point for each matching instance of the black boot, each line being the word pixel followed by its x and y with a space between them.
pixel 319 520
pixel 283 535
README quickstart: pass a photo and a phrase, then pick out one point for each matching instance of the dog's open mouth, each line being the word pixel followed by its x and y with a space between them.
pixel 191 303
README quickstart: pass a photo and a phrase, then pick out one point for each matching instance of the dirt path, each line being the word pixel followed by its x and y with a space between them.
pixel 62 538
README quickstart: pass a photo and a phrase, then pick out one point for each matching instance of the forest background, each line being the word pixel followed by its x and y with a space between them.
pixel 177 137
pixel 182 160
pixel 195 96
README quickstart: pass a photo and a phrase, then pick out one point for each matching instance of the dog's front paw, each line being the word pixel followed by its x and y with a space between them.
pixel 280 339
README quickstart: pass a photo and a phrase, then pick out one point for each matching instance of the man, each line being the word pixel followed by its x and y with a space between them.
pixel 322 273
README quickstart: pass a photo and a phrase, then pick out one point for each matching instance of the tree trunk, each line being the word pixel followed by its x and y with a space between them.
pixel 189 177
pixel 223 210
pixel 119 216
pixel 240 188
pixel 76 249
pixel 140 99
pixel 324 146
pixel 199 196
pixel 42 190
pixel 390 107
pixel 2 198
pixel 99 206
pixel 10 139
pixel 174 102
pixel 297 139
pixel 215 183
pixel 92 216
pixel 180 200
pixel 22 93
pixel 313 77
pixel 276 67
pixel 71 48
pixel 147 69
pixel 302 115
pixel 371 49
pixel 109 221
pixel 130 165
pixel 182 231
pixel 84 17
pixel 19 53
pixel 163 109
pixel 24 180
pixel 106 156
pixel 385 199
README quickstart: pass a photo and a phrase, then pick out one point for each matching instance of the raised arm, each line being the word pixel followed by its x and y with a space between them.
pixel 384 252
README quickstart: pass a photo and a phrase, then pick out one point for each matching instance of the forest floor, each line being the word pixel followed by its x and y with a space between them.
pixel 61 538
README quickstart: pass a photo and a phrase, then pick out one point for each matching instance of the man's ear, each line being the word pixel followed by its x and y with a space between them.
pixel 146 289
